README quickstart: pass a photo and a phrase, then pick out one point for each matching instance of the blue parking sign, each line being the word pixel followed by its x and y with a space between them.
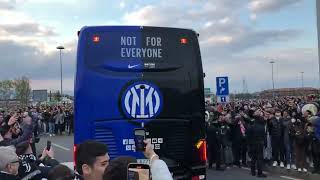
pixel 222 86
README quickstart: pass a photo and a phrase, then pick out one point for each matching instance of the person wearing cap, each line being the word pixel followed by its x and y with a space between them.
pixel 9 163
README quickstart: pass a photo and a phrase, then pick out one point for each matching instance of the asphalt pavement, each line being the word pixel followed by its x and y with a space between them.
pixel 62 146
pixel 63 150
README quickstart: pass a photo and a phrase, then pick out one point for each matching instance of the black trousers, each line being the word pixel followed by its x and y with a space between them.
pixel 256 153
pixel 277 144
pixel 316 155
pixel 239 151
pixel 214 154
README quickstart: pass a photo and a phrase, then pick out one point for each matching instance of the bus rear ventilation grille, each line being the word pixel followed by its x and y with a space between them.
pixel 105 135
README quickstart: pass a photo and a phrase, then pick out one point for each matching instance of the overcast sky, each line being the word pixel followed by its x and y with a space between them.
pixel 238 38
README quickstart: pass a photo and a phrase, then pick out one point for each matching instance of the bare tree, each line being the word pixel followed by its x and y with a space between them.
pixel 5 90
pixel 23 89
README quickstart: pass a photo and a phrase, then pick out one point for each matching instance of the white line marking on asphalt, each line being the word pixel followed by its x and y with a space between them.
pixel 291 178
pixel 61 147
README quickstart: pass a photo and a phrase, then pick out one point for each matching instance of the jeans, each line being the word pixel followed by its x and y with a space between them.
pixel 290 155
pixel 51 128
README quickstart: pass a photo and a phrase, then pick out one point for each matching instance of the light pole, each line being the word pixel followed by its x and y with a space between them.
pixel 318 30
pixel 302 85
pixel 272 62
pixel 60 49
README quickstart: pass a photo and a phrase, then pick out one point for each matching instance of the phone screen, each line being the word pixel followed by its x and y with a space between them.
pixel 48 145
pixel 139 137
pixel 138 172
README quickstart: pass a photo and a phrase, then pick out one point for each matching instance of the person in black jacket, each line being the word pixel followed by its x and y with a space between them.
pixel 214 144
pixel 277 139
pixel 239 144
pixel 257 141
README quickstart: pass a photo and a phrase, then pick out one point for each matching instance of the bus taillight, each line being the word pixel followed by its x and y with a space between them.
pixel 74 155
pixel 96 38
pixel 202 147
pixel 183 41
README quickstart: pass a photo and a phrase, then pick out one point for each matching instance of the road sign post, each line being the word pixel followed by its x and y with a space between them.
pixel 222 89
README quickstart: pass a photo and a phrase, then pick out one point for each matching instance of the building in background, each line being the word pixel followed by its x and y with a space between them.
pixel 208 96
pixel 289 92
pixel 40 95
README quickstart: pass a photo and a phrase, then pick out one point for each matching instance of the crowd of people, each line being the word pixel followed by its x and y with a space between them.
pixel 281 132
pixel 20 130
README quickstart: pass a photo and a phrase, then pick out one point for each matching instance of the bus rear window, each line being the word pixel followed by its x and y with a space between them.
pixel 151 50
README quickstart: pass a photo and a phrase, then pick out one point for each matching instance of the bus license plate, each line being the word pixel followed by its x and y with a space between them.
pixel 143 161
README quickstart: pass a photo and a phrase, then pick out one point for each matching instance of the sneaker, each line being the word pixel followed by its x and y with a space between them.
pixel 299 170
pixel 50 135
pixel 305 170
pixel 282 165
pixel 275 163
pixel 293 166
pixel 288 167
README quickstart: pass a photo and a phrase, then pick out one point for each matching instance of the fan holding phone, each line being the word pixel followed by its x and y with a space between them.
pixel 157 167
pixel 127 168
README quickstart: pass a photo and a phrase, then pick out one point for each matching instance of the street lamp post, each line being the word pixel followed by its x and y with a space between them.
pixel 318 30
pixel 60 48
pixel 272 62
pixel 302 85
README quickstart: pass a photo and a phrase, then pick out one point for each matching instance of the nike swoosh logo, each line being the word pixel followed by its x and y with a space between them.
pixel 130 67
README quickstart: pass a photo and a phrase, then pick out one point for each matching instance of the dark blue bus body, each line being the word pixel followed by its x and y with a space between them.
pixel 130 77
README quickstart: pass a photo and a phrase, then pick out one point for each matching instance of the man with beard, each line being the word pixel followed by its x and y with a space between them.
pixel 256 140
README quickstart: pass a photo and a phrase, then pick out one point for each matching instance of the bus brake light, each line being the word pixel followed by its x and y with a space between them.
pixel 202 147
pixel 74 155
pixel 96 38
pixel 183 41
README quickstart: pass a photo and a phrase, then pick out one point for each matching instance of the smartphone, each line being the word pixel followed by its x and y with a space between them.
pixel 48 145
pixel 139 137
pixel 138 171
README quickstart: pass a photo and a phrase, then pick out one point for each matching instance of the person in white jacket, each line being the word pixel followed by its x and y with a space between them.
pixel 117 168
pixel 159 169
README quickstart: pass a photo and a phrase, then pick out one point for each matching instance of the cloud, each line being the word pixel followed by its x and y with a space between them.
pixel 7 4
pixel 122 5
pixel 20 59
pixel 229 46
pixel 256 69
pixel 26 29
pixel 261 6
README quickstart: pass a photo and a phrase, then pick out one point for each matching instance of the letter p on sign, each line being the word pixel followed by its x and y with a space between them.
pixel 222 81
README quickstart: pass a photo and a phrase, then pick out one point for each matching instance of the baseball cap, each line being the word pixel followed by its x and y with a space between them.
pixel 7 156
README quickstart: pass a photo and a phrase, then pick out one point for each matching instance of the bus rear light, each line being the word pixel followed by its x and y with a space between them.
pixel 183 41
pixel 200 177
pixel 74 155
pixel 202 147
pixel 96 38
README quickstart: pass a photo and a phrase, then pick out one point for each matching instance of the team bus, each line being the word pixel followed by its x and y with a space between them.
pixel 130 77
